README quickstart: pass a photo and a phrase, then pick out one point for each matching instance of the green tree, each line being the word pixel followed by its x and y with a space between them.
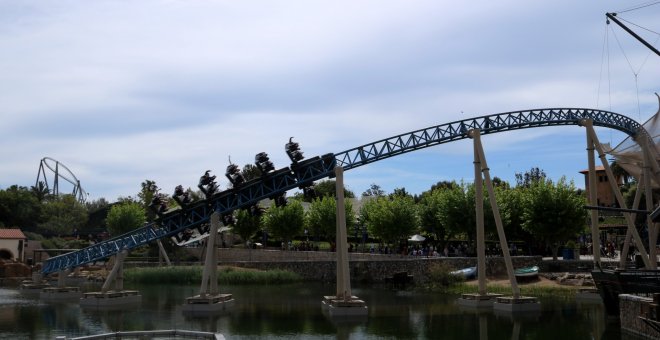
pixel 455 211
pixel 443 185
pixel 246 224
pixel 429 208
pixel 63 214
pixel 40 191
pixel 148 191
pixel 19 208
pixel 285 222
pixel 499 183
pixel 97 211
pixel 374 190
pixel 511 204
pixel 400 192
pixel 619 171
pixel 250 172
pixel 629 191
pixel 327 188
pixel 125 217
pixel 553 213
pixel 322 217
pixel 529 177
pixel 390 219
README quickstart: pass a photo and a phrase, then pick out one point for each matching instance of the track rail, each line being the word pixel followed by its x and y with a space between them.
pixel 305 172
pixel 500 122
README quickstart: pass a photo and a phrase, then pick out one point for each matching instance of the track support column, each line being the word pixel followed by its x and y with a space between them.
pixel 482 299
pixel 593 198
pixel 515 303
pixel 62 292
pixel 595 143
pixel 209 300
pixel 343 303
pixel 162 254
pixel 112 294
pixel 623 256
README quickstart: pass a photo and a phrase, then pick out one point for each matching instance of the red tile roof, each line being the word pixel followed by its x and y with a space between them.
pixel 598 168
pixel 11 234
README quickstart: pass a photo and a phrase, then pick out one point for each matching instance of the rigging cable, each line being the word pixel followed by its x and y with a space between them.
pixel 632 69
pixel 650 3
pixel 648 30
pixel 605 55
pixel 602 63
pixel 638 26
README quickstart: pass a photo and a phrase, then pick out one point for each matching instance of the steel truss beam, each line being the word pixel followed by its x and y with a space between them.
pixel 457 130
pixel 280 181
pixel 304 173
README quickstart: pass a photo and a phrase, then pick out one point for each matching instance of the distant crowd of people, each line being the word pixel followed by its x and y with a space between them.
pixel 450 249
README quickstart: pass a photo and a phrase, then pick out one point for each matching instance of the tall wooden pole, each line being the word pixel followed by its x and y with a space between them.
pixel 652 227
pixel 496 214
pixel 343 278
pixel 115 277
pixel 617 193
pixel 162 253
pixel 623 256
pixel 209 274
pixel 479 209
pixel 593 197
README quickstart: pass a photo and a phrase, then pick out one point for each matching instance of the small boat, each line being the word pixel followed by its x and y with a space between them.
pixel 467 273
pixel 527 272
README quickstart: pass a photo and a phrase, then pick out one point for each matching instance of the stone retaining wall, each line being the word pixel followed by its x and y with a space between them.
pixel 373 267
pixel 376 268
pixel 365 270
pixel 572 266
pixel 631 308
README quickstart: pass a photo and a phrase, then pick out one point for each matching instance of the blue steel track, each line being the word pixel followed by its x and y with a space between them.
pixel 303 173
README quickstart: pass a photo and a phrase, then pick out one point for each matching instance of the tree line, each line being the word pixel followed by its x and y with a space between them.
pixel 535 210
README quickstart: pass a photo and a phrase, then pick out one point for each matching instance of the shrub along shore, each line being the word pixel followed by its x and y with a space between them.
pixel 193 275
pixel 443 282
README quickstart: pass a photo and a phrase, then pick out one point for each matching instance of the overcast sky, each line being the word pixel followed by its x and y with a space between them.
pixel 124 91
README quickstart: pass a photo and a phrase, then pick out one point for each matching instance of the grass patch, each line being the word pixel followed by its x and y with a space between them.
pixel 441 277
pixel 442 281
pixel 193 274
pixel 567 292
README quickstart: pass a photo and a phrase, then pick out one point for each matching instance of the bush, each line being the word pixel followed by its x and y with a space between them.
pixel 76 244
pixel 193 274
pixel 275 276
pixel 440 275
pixel 53 243
pixel 176 275
pixel 571 245
pixel 33 236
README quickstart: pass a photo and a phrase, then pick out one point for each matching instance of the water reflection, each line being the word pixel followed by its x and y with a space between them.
pixel 294 311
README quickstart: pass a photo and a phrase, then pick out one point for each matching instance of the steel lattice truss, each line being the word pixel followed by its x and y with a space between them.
pixel 304 173
pixel 457 130
pixel 280 181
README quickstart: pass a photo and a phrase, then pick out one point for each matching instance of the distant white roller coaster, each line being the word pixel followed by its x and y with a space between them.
pixel 59 171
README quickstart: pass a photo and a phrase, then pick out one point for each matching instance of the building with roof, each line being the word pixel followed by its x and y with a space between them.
pixel 603 187
pixel 12 244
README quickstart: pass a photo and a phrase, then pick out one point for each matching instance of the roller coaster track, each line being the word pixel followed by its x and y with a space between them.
pixel 305 172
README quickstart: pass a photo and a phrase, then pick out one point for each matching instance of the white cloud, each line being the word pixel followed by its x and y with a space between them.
pixel 123 91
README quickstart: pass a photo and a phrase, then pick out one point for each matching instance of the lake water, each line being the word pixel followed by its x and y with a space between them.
pixel 294 312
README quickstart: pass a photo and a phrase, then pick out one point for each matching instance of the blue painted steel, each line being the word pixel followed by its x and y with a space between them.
pixel 175 221
pixel 303 173
pixel 457 130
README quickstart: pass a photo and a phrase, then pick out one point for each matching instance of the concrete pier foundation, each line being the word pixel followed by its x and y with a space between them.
pixel 517 304
pixel 477 301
